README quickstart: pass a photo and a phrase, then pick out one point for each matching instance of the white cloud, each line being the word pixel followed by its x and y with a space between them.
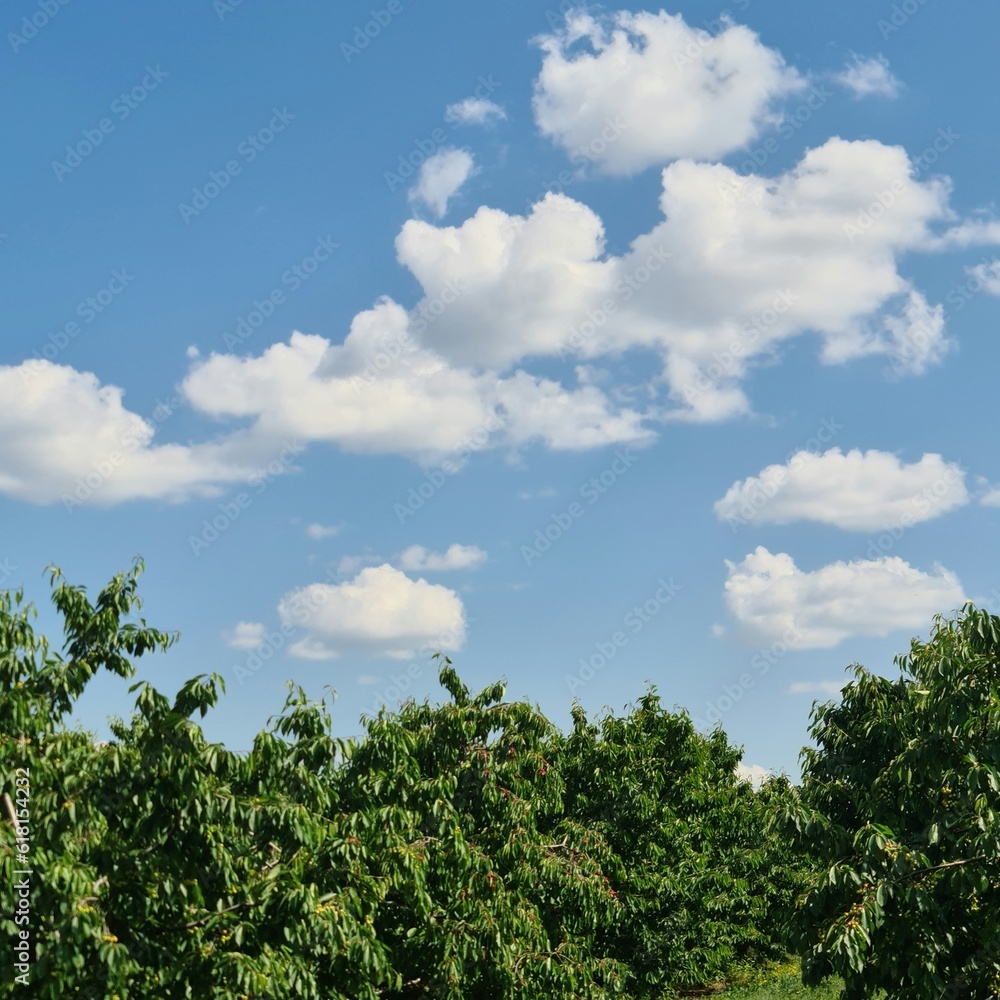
pixel 739 265
pixel 367 679
pixel 415 405
pixel 317 532
pixel 869 77
pixel 474 111
pixel 542 494
pixel 988 274
pixel 968 233
pixel 753 773
pixel 380 613
pixel 991 498
pixel 859 491
pixel 773 600
pixel 417 558
pixel 441 176
pixel 246 635
pixel 649 88
pixel 64 436
pixel 526 278
pixel 831 688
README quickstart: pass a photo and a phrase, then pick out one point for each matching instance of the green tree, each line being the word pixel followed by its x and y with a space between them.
pixel 702 884
pixel 900 802
pixel 467 849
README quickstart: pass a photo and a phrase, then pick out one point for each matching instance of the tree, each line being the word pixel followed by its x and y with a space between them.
pixel 900 802
pixel 701 883
pixel 454 850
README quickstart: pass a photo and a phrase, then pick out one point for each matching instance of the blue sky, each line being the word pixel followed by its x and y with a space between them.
pixel 595 346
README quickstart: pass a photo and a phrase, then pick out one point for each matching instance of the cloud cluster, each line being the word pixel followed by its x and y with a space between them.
pixel 735 267
pixel 772 599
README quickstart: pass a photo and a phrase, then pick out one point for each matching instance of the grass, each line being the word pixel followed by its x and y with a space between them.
pixel 778 982
pixel 783 983
pixel 786 988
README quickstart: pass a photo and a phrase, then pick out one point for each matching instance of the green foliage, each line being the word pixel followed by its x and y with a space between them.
pixel 901 804
pixel 701 884
pixel 467 849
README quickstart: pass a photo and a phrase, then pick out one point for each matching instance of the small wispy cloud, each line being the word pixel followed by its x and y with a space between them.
pixel 832 688
pixel 320 531
pixel 441 177
pixel 869 77
pixel 246 635
pixel 474 111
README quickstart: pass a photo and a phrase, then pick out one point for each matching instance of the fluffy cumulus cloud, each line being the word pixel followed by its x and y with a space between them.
pixel 381 392
pixel 738 265
pixel 869 77
pixel 527 277
pixel 858 491
pixel 380 613
pixel 634 90
pixel 474 111
pixel 66 437
pixel 441 176
pixel 246 635
pixel 417 558
pixel 773 600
